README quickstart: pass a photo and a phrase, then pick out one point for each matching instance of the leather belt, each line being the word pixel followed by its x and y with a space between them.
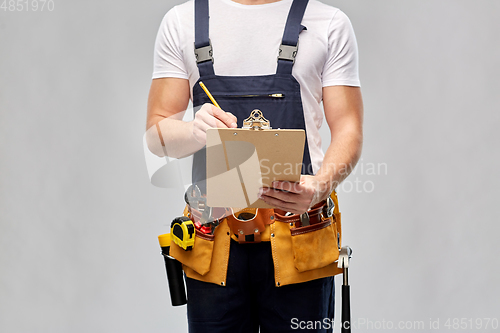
pixel 315 215
pixel 248 224
pixel 248 231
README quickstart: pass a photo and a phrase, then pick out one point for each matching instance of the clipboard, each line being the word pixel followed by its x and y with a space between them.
pixel 241 161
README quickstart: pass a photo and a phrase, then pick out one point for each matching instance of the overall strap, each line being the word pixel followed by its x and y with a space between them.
pixel 288 47
pixel 202 46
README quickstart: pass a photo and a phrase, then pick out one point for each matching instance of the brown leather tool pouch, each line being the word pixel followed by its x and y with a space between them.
pixel 315 246
pixel 199 258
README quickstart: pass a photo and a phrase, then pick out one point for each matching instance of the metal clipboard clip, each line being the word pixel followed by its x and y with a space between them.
pixel 256 121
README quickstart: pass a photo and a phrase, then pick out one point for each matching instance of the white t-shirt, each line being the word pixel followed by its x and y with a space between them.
pixel 246 40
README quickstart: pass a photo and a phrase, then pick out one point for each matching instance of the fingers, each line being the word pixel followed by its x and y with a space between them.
pixel 210 116
pixel 227 118
pixel 207 120
pixel 279 195
pixel 292 197
pixel 289 186
pixel 286 201
pixel 233 118
pixel 283 205
pixel 202 127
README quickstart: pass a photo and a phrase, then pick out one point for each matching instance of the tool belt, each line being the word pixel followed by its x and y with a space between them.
pixel 297 241
pixel 249 223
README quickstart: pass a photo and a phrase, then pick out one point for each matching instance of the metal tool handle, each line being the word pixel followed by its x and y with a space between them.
pixel 346 309
pixel 343 262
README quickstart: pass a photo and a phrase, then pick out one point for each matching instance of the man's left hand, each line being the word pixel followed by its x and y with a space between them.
pixel 295 197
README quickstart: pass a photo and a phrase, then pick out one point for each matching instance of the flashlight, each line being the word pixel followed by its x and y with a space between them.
pixel 174 273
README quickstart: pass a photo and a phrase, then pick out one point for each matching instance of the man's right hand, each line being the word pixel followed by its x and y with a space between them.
pixel 210 116
pixel 168 100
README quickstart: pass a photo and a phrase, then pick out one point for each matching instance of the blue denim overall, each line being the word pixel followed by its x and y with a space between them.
pixel 250 302
pixel 276 95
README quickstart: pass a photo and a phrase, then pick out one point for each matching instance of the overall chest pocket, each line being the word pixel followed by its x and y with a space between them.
pixel 281 108
pixel 271 96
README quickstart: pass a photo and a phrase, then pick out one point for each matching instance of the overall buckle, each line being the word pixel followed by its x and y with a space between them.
pixel 204 53
pixel 288 52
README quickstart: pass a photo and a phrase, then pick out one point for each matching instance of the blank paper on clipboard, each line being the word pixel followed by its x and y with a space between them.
pixel 240 161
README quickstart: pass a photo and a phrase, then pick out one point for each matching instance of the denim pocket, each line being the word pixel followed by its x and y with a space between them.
pixel 207 302
pixel 311 300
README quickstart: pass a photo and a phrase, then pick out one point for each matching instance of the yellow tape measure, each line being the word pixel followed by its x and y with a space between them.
pixel 182 232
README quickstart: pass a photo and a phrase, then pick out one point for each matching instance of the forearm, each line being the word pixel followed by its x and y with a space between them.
pixel 344 115
pixel 172 137
pixel 340 158
pixel 166 133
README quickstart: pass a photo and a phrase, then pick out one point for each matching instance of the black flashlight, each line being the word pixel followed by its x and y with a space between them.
pixel 174 273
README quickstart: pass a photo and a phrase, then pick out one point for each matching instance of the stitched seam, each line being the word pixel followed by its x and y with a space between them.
pixel 228 243
pixel 203 236
pixel 300 232
pixel 294 219
pixel 275 259
pixel 281 218
pixel 289 220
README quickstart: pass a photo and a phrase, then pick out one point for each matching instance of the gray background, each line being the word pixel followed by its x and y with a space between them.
pixel 79 219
